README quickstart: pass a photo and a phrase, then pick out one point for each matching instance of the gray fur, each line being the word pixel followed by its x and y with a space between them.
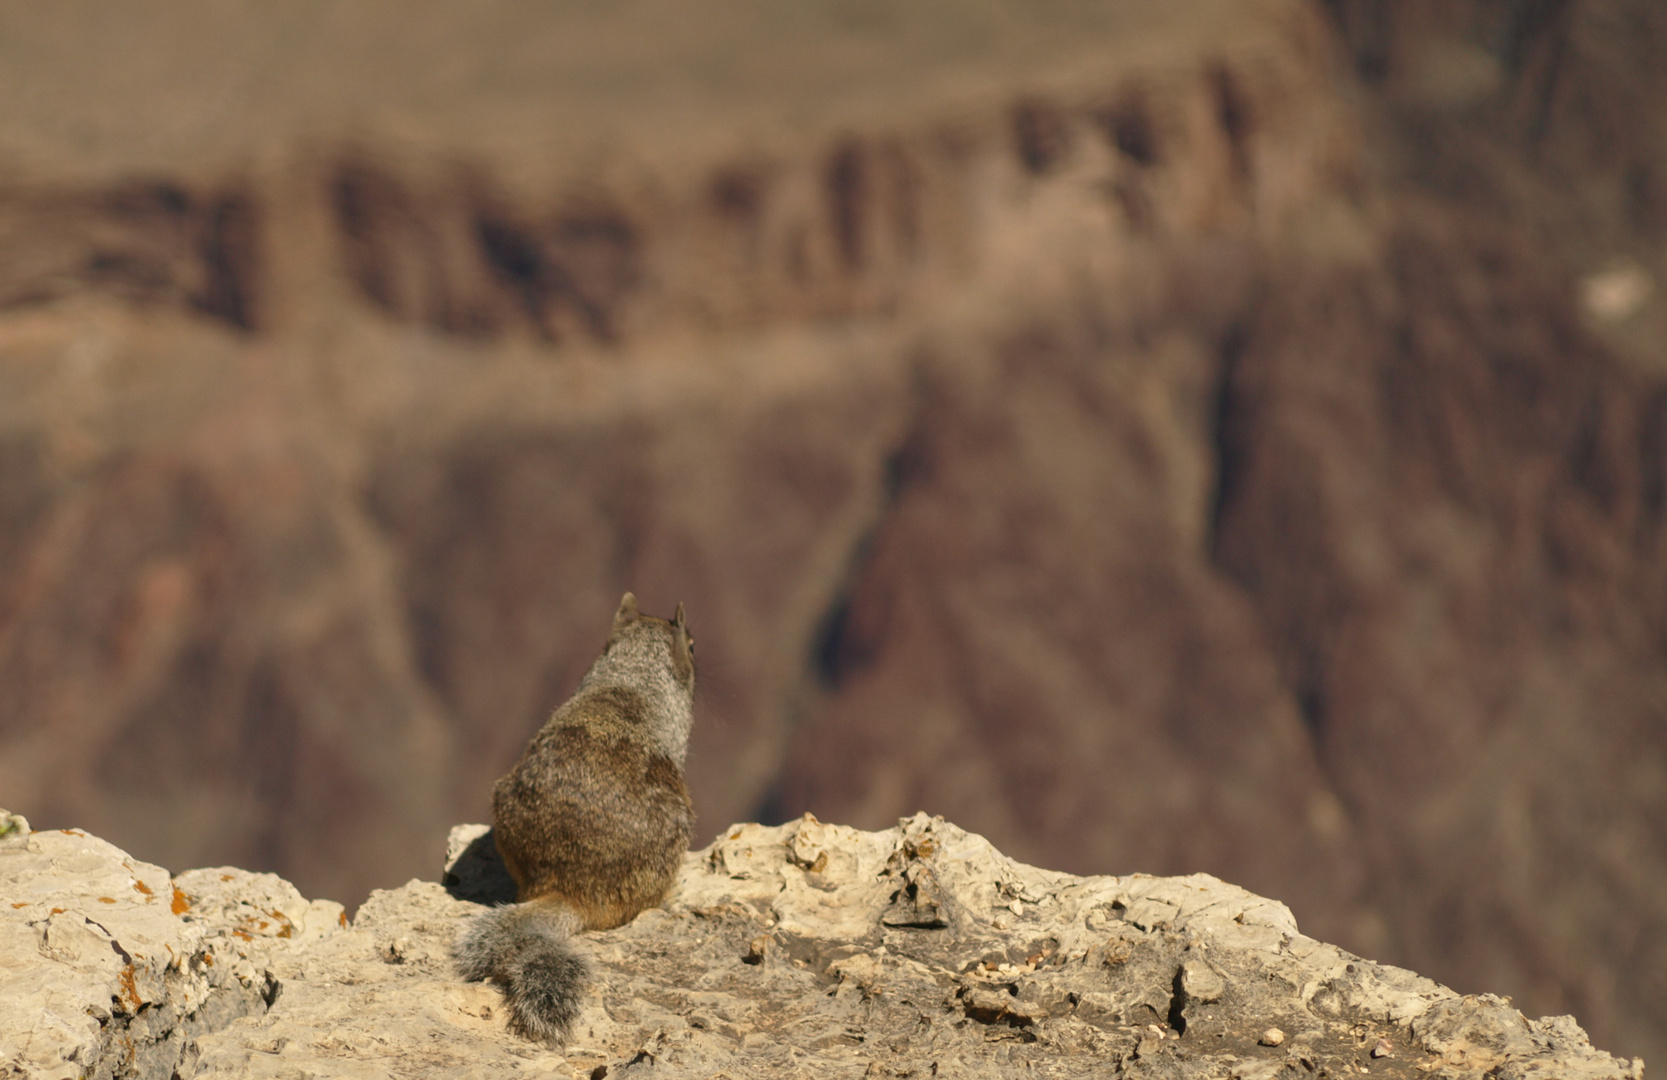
pixel 524 948
pixel 592 821
pixel 636 657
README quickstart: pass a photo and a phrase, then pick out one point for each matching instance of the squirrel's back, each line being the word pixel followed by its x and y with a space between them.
pixel 594 816
pixel 592 821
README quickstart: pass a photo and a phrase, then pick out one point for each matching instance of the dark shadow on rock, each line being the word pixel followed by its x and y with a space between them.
pixel 479 874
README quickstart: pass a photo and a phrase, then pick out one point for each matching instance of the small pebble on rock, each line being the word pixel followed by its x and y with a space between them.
pixel 1272 1037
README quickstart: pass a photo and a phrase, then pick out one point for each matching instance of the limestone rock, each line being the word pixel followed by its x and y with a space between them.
pixel 110 966
pixel 802 950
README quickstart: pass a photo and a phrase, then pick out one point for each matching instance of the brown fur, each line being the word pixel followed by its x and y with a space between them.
pixel 589 815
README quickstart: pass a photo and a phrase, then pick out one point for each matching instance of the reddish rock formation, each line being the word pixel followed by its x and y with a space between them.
pixel 1161 437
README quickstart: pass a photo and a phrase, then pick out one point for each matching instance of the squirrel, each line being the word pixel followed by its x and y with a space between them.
pixel 592 822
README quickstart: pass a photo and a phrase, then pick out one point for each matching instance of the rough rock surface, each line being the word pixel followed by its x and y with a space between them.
pixel 803 950
pixel 110 966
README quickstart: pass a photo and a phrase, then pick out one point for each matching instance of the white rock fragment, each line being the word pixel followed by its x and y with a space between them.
pixel 14 828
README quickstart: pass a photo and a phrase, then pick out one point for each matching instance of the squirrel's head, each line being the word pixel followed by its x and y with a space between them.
pixel 669 639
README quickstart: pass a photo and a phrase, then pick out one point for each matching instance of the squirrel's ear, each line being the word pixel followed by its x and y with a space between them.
pixel 682 648
pixel 627 613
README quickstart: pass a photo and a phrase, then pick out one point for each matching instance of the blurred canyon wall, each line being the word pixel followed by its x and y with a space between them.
pixel 1161 437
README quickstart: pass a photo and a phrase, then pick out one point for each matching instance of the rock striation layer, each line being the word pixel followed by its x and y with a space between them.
pixel 802 950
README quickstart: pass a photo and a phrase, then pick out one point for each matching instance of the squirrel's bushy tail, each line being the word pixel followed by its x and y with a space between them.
pixel 524 947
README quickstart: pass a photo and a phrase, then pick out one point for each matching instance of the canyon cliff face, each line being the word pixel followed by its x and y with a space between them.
pixel 1221 437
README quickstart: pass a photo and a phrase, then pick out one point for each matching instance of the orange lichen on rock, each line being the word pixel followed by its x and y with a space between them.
pixel 181 903
pixel 130 988
pixel 141 887
pixel 107 899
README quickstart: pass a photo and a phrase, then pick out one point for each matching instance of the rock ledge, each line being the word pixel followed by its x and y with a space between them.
pixel 805 949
